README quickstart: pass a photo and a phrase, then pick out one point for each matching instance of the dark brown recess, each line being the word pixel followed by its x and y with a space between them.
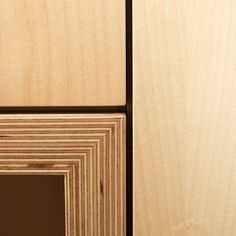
pixel 32 205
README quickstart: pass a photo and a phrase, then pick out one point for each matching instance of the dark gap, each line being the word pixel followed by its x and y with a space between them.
pixel 65 110
pixel 129 114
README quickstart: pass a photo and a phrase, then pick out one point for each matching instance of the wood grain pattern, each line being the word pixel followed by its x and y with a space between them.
pixel 185 117
pixel 89 150
pixel 62 52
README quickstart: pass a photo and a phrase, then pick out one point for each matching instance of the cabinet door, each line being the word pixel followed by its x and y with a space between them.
pixel 88 151
pixel 62 52
pixel 185 117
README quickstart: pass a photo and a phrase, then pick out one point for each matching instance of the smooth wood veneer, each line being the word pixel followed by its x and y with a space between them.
pixel 62 53
pixel 185 117
pixel 88 150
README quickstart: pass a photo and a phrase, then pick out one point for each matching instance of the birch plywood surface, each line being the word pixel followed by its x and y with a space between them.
pixel 88 150
pixel 62 52
pixel 185 117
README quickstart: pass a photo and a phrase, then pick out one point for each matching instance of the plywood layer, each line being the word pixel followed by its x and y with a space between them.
pixel 62 52
pixel 185 117
pixel 88 150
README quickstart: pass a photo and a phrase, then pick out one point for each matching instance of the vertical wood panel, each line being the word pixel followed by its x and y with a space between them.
pixel 185 117
pixel 62 52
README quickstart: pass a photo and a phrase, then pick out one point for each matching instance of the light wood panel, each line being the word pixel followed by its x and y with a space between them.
pixel 185 117
pixel 62 52
pixel 89 150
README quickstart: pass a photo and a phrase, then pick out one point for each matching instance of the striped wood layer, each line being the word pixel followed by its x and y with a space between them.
pixel 89 150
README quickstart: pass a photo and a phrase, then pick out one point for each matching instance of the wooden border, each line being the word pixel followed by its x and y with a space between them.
pixel 88 149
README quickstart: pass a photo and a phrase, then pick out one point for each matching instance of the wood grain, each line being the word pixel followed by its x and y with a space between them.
pixel 185 117
pixel 89 150
pixel 62 52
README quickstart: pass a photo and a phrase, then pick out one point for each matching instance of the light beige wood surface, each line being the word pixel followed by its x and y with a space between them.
pixel 185 117
pixel 62 52
pixel 89 150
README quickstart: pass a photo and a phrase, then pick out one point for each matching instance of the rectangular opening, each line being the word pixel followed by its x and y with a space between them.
pixel 32 205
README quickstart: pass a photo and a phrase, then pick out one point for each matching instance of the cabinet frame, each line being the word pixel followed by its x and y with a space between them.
pixel 126 109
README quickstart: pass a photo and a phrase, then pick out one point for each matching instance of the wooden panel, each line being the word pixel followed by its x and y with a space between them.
pixel 89 150
pixel 185 117
pixel 62 52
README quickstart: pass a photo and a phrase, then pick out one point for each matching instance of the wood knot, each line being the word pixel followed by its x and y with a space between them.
pixel 101 187
pixel 186 225
pixel 4 136
pixel 39 165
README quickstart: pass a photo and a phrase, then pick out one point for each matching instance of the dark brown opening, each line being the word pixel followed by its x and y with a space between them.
pixel 32 205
